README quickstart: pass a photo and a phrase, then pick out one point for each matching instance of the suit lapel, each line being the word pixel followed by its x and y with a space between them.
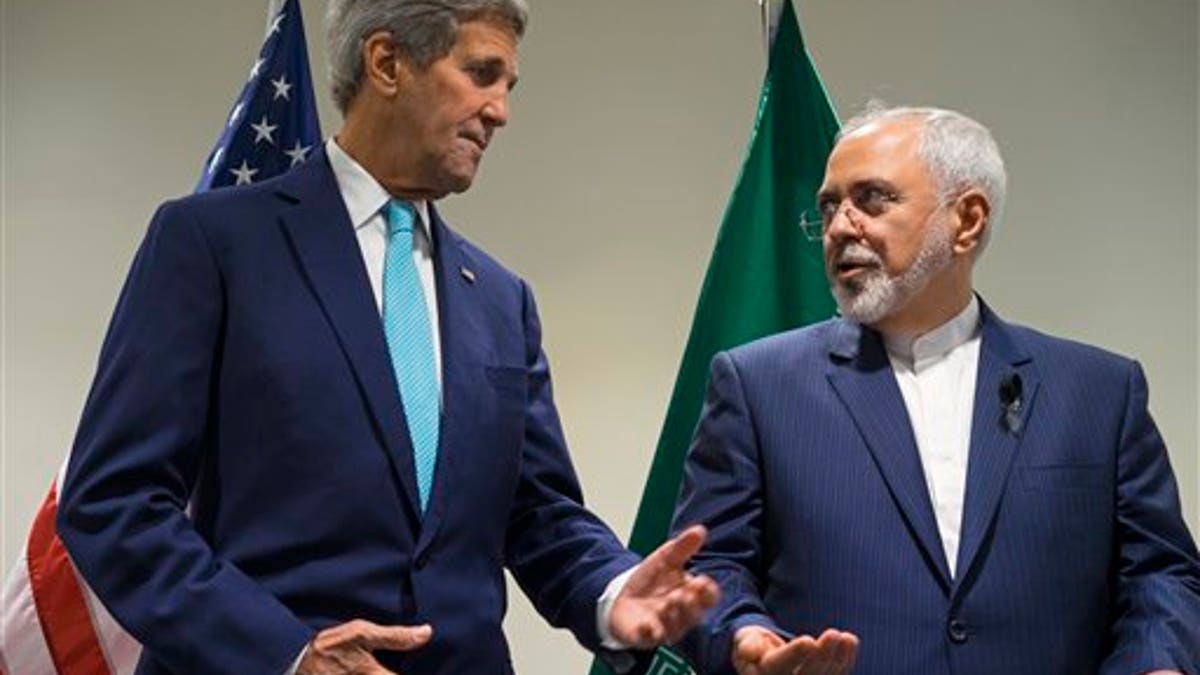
pixel 993 445
pixel 861 374
pixel 328 252
pixel 463 355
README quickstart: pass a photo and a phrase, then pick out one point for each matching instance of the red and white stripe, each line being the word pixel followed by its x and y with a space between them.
pixel 52 623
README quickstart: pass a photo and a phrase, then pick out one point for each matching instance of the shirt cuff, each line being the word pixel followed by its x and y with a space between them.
pixel 604 610
pixel 296 664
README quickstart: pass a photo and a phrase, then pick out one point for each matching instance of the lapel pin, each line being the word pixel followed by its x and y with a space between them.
pixel 467 274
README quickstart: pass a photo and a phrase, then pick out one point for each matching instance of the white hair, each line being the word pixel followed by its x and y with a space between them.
pixel 958 152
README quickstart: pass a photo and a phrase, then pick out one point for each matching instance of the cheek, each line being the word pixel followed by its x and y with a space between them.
pixel 898 250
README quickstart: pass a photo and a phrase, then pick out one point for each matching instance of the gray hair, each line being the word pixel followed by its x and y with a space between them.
pixel 959 152
pixel 425 30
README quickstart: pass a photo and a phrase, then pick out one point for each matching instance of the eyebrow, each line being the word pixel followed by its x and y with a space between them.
pixel 879 183
pixel 494 62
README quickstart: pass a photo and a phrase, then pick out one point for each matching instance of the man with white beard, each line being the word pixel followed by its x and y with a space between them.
pixel 955 493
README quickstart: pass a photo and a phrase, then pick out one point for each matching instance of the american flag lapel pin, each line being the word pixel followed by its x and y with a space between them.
pixel 467 274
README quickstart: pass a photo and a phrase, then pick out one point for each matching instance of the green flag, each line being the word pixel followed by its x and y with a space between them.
pixel 764 276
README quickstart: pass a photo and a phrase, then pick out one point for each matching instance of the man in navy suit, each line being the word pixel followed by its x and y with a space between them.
pixel 958 494
pixel 362 429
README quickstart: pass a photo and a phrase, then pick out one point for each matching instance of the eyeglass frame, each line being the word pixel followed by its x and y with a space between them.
pixel 866 200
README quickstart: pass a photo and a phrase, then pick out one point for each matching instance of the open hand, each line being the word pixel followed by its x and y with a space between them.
pixel 346 649
pixel 661 601
pixel 758 651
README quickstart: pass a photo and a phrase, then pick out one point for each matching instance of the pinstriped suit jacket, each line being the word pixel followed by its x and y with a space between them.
pixel 1074 557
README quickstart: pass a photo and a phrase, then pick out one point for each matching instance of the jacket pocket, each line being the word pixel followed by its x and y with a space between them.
pixel 1065 477
pixel 507 379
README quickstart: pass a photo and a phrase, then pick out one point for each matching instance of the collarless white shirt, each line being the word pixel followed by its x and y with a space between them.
pixel 936 373
pixel 365 199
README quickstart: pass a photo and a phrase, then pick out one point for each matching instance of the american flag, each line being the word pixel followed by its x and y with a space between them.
pixel 50 621
pixel 273 124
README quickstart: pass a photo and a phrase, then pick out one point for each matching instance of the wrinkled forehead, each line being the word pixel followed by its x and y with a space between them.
pixel 881 149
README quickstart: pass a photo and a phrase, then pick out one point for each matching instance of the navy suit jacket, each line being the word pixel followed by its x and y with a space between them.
pixel 246 373
pixel 1073 559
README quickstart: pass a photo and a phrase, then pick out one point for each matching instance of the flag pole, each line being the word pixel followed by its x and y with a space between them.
pixel 273 9
pixel 764 276
pixel 770 12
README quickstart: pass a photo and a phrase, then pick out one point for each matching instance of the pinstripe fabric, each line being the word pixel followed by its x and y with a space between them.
pixel 1074 557
pixel 410 343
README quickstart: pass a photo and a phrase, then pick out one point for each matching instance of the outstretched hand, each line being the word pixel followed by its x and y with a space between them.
pixel 758 651
pixel 346 649
pixel 662 601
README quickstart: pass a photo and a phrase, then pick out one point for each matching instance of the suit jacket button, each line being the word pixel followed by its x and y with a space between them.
pixel 957 629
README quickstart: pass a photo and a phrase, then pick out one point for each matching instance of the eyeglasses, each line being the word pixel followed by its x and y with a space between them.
pixel 865 201
pixel 812 225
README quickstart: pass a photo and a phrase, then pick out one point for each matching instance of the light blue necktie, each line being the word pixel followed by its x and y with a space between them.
pixel 410 342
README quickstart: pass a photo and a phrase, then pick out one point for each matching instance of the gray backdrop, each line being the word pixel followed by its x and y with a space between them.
pixel 606 189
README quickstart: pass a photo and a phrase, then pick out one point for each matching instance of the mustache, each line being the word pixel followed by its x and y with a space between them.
pixel 854 253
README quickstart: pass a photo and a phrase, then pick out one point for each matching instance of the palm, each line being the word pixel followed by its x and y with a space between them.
pixel 661 601
pixel 758 651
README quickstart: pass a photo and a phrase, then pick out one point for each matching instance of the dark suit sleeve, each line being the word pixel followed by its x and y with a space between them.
pixel 722 489
pixel 560 553
pixel 1157 625
pixel 141 442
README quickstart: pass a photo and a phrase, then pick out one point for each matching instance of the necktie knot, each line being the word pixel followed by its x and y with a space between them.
pixel 400 216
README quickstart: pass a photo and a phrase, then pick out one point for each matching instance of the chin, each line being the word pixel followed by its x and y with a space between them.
pixel 458 179
pixel 459 185
pixel 867 300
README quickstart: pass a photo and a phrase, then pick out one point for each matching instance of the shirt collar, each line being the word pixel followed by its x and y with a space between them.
pixel 940 341
pixel 363 195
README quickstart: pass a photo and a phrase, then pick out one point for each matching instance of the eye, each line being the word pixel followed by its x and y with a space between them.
pixel 874 199
pixel 484 73
pixel 827 207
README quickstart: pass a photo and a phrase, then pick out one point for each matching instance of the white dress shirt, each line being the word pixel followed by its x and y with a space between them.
pixel 936 373
pixel 365 199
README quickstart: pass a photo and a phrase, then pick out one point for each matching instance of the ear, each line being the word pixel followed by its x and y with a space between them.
pixel 382 64
pixel 973 212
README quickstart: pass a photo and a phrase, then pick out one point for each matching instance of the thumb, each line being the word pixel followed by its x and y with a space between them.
pixel 398 638
pixel 751 644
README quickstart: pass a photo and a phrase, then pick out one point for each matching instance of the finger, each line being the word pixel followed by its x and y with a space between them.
pixel 673 619
pixel 825 655
pixel 688 605
pixel 678 551
pixel 822 662
pixel 835 653
pixel 339 649
pixel 704 590
pixel 791 656
pixel 349 633
pixel 695 594
pixel 651 634
pixel 397 638
pixel 683 618
pixel 643 630
pixel 848 652
pixel 700 591
pixel 750 645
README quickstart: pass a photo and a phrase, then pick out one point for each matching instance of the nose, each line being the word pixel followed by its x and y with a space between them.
pixel 845 222
pixel 495 109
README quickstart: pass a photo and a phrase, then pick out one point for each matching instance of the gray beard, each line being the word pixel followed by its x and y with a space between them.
pixel 873 295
